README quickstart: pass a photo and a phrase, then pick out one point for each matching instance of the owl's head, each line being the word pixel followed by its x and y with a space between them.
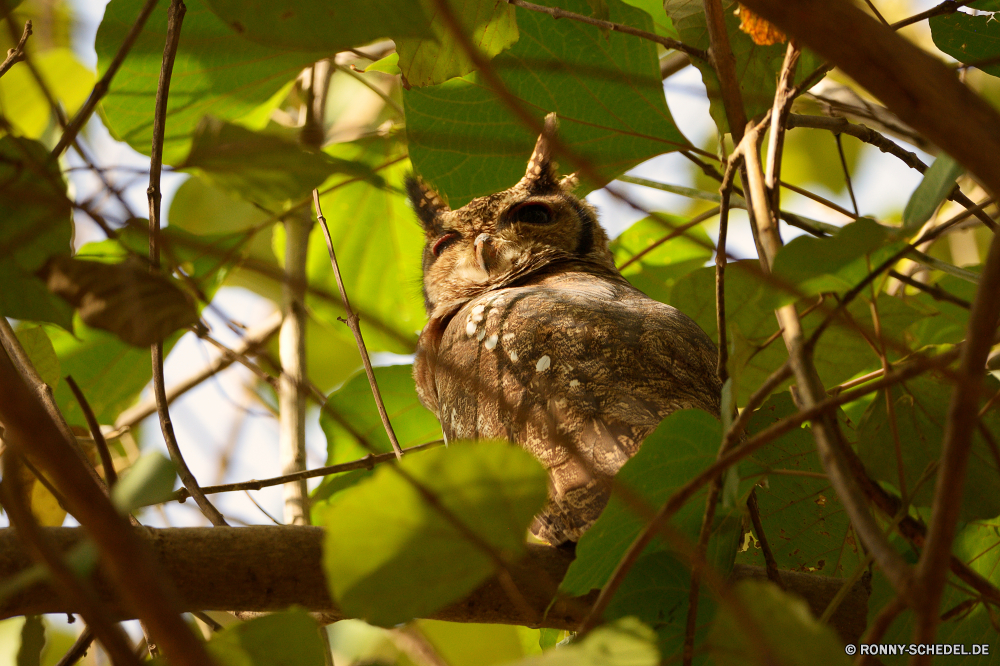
pixel 500 239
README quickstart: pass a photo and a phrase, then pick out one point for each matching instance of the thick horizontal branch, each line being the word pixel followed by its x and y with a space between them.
pixel 269 568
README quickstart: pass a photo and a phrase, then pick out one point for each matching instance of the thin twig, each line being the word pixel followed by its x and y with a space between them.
pixel 724 62
pixel 352 322
pixel 679 231
pixel 212 624
pixel 879 626
pixel 936 292
pixel 877 13
pixel 818 199
pixel 174 21
pixel 947 7
pixel 758 527
pixel 16 54
pixel 110 475
pixel 79 648
pixel 783 98
pixel 667 42
pixel 368 462
pixel 79 592
pixel 847 173
pixel 101 87
pixel 253 340
pixel 957 444
pixel 725 192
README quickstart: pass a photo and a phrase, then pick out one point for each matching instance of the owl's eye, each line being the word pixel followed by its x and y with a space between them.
pixel 531 212
pixel 441 243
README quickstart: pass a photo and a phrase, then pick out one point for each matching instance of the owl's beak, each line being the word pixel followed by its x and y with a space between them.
pixel 486 253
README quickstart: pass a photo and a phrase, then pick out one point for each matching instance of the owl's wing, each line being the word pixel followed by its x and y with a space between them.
pixel 576 371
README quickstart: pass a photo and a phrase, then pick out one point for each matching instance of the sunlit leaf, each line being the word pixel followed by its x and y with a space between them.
pixel 38 347
pixel 656 271
pixel 627 642
pixel 391 554
pixel 216 72
pixel 278 639
pixel 491 25
pixel 150 480
pixel 23 103
pixel 607 92
pixel 466 644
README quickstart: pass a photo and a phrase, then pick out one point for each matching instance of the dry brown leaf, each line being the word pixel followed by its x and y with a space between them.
pixel 761 32
pixel 126 299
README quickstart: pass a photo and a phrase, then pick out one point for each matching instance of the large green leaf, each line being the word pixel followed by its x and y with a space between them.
pixel 307 25
pixel 469 644
pixel 921 410
pixel 778 619
pixel 944 322
pixel 23 103
pixel 803 520
pixel 217 72
pixel 38 347
pixel 290 638
pixel 816 265
pixel 606 90
pixel 968 38
pixel 391 554
pixel 35 226
pixel 490 24
pixel 684 444
pixel 757 67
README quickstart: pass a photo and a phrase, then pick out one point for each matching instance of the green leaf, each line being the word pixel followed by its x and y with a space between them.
pixel 23 103
pixel 110 372
pixel 757 67
pixel 943 322
pixel 657 271
pixel 817 265
pixel 921 410
pixel 328 27
pixel 936 185
pixel 607 92
pixel 32 641
pixel 290 638
pixel 662 24
pixel 627 642
pixel 39 349
pixel 548 638
pixel 468 644
pixel 968 39
pixel 390 555
pixel 803 520
pixel 387 65
pixel 781 621
pixel 217 72
pixel 969 621
pixel 258 167
pixel 36 226
pixel 379 246
pixel 684 444
pixel 150 480
pixel 491 25
pixel 411 421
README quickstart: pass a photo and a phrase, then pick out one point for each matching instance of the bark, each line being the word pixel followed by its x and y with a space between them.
pixel 269 568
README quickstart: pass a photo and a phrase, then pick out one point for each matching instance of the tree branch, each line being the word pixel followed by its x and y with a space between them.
pixel 268 568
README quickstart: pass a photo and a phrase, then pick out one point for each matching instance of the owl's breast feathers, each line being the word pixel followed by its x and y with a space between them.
pixel 576 368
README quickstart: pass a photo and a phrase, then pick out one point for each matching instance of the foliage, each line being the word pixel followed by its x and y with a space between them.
pixel 404 540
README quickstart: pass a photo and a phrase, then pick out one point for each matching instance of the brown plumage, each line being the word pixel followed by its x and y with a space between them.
pixel 535 337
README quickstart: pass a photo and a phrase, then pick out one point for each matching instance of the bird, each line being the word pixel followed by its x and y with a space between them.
pixel 534 337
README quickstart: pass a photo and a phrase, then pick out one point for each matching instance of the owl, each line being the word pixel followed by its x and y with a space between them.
pixel 535 337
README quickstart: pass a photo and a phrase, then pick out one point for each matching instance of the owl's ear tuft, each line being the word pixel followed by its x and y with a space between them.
pixel 427 203
pixel 541 171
